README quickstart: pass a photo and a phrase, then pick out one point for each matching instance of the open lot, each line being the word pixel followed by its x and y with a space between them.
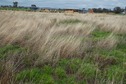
pixel 58 48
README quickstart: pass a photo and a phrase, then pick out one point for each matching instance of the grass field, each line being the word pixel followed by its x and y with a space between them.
pixel 57 48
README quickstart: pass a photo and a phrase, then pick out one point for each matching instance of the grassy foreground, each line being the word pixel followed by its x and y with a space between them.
pixel 40 48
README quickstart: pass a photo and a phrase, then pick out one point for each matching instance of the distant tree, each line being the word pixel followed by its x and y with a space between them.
pixel 15 4
pixel 84 10
pixel 60 10
pixel 105 10
pixel 34 7
pixel 110 10
pixel 100 10
pixel 117 10
pixel 95 10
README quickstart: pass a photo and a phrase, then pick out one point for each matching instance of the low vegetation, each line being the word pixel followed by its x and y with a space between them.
pixel 15 9
pixel 40 48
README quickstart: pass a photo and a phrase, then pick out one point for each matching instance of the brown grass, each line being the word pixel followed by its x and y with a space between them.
pixel 40 31
pixel 45 35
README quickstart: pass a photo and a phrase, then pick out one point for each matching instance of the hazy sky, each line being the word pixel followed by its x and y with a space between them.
pixel 69 3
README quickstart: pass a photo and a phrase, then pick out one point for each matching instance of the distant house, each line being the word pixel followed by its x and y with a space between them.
pixel 33 7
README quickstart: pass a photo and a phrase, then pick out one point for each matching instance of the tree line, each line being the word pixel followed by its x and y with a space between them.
pixel 116 10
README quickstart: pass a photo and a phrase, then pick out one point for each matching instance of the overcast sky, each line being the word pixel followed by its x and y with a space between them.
pixel 69 3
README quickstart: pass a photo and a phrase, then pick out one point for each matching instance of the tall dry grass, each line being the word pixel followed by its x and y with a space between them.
pixel 55 36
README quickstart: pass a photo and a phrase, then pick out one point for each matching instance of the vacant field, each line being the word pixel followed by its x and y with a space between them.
pixel 40 48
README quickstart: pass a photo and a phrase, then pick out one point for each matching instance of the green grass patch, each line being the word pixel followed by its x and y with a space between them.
pixel 60 73
pixel 47 69
pixel 73 65
pixel 98 34
pixel 70 65
pixel 35 75
pixel 115 73
pixel 63 63
pixel 87 71
pixel 70 21
pixel 29 75
pixel 15 9
pixel 69 80
pixel 73 71
pixel 121 47
pixel 10 49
